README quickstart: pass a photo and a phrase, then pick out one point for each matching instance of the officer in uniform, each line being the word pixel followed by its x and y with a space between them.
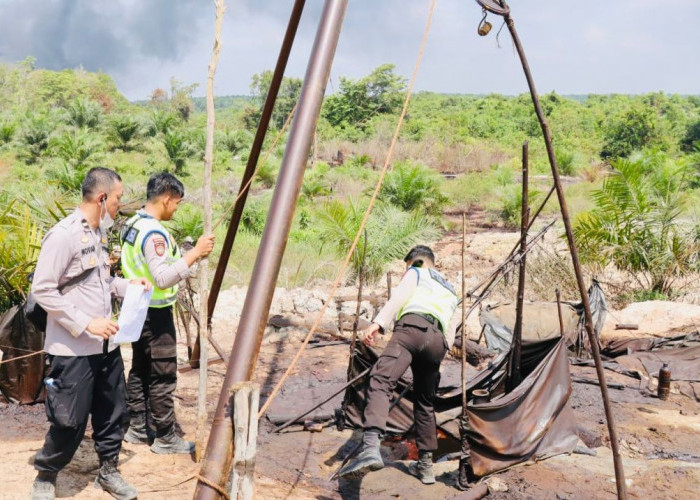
pixel 148 251
pixel 423 306
pixel 87 373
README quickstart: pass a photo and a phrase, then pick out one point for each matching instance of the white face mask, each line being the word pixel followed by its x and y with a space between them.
pixel 106 222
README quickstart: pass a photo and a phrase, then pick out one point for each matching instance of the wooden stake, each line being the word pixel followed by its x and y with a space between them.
pixel 359 302
pixel 200 438
pixel 464 319
pixel 246 399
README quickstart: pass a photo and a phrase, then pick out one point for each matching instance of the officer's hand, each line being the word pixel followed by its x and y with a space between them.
pixel 370 334
pixel 204 246
pixel 102 327
pixel 143 282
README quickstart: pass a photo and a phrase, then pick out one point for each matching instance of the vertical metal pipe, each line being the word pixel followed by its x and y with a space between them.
pixel 516 356
pixel 217 460
pixel 614 443
pixel 464 318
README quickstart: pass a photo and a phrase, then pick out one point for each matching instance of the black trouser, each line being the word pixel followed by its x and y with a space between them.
pixel 153 374
pixel 83 385
pixel 418 343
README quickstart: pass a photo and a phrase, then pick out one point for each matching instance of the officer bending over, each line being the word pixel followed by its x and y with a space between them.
pixel 423 306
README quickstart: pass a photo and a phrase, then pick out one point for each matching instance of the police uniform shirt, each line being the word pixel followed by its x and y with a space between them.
pixel 156 248
pixel 402 294
pixel 68 249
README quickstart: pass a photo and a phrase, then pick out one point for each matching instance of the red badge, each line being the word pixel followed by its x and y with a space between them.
pixel 159 246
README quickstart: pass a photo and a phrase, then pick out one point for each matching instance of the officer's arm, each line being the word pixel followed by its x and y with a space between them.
pixel 399 296
pixel 54 258
pixel 156 250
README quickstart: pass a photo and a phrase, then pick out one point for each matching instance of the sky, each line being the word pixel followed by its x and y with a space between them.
pixel 573 46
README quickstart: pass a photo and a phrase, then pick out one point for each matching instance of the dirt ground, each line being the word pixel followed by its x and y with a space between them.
pixel 660 440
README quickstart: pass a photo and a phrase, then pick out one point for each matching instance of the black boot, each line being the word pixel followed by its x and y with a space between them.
pixel 44 486
pixel 369 458
pixel 110 480
pixel 466 475
pixel 138 430
pixel 172 443
pixel 423 468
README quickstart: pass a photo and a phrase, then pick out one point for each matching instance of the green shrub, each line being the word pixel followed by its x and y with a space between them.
pixel 412 187
pixel 84 113
pixel 35 137
pixel 124 132
pixel 512 201
pixel 7 132
pixel 234 141
pixel 636 223
pixel 565 162
pixel 188 221
pixel 77 147
pixel 178 149
pixel 391 233
pixel 255 214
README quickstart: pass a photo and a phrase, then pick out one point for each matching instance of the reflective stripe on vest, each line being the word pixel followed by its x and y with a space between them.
pixel 134 265
pixel 433 296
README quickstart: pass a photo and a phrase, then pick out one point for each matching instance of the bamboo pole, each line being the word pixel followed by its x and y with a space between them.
pixel 200 438
pixel 514 377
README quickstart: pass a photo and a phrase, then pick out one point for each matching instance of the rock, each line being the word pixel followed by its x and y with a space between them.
pixel 657 318
pixel 496 485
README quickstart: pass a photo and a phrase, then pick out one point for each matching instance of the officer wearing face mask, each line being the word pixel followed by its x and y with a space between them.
pixel 87 373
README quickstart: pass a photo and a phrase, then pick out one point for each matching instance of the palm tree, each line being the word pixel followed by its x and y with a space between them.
pixel 78 147
pixel 391 233
pixel 413 186
pixel 84 113
pixel 636 223
pixel 178 149
pixel 124 131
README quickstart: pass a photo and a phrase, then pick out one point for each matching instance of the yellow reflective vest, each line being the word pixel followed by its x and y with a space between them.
pixel 433 296
pixel 134 265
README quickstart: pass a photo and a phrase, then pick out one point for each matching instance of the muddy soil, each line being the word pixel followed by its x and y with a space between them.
pixel 660 440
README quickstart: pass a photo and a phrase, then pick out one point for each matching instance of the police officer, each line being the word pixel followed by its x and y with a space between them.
pixel 87 373
pixel 148 251
pixel 423 306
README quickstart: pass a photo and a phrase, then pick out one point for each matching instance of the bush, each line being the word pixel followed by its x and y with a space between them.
pixel 78 148
pixel 84 113
pixel 124 132
pixel 691 139
pixel 35 138
pixel 391 233
pixel 234 141
pixel 255 214
pixel 512 201
pixel 565 162
pixel 636 129
pixel 188 221
pixel 413 187
pixel 7 132
pixel 178 149
pixel 636 223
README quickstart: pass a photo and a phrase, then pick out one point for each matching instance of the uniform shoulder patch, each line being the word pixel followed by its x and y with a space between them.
pixel 130 235
pixel 159 245
pixel 438 277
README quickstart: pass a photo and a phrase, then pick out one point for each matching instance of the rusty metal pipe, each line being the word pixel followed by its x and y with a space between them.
pixel 217 460
pixel 614 443
pixel 514 376
pixel 255 150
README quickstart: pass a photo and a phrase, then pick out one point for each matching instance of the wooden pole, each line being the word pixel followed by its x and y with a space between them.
pixel 359 303
pixel 246 398
pixel 464 319
pixel 200 438
pixel 514 377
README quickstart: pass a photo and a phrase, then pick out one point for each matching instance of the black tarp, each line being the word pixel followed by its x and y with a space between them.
pixel 21 379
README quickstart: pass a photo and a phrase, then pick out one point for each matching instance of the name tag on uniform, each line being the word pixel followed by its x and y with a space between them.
pixel 131 235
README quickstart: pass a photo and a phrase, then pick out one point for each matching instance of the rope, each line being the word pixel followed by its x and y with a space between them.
pixel 21 357
pixel 7 347
pixel 213 486
pixel 385 168
pixel 258 167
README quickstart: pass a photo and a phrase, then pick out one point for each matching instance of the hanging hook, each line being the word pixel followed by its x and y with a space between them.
pixel 484 25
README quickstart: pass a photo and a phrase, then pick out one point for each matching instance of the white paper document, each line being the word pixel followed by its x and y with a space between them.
pixel 133 314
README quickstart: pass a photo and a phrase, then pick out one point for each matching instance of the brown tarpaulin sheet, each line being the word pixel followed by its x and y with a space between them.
pixel 532 422
pixel 21 380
